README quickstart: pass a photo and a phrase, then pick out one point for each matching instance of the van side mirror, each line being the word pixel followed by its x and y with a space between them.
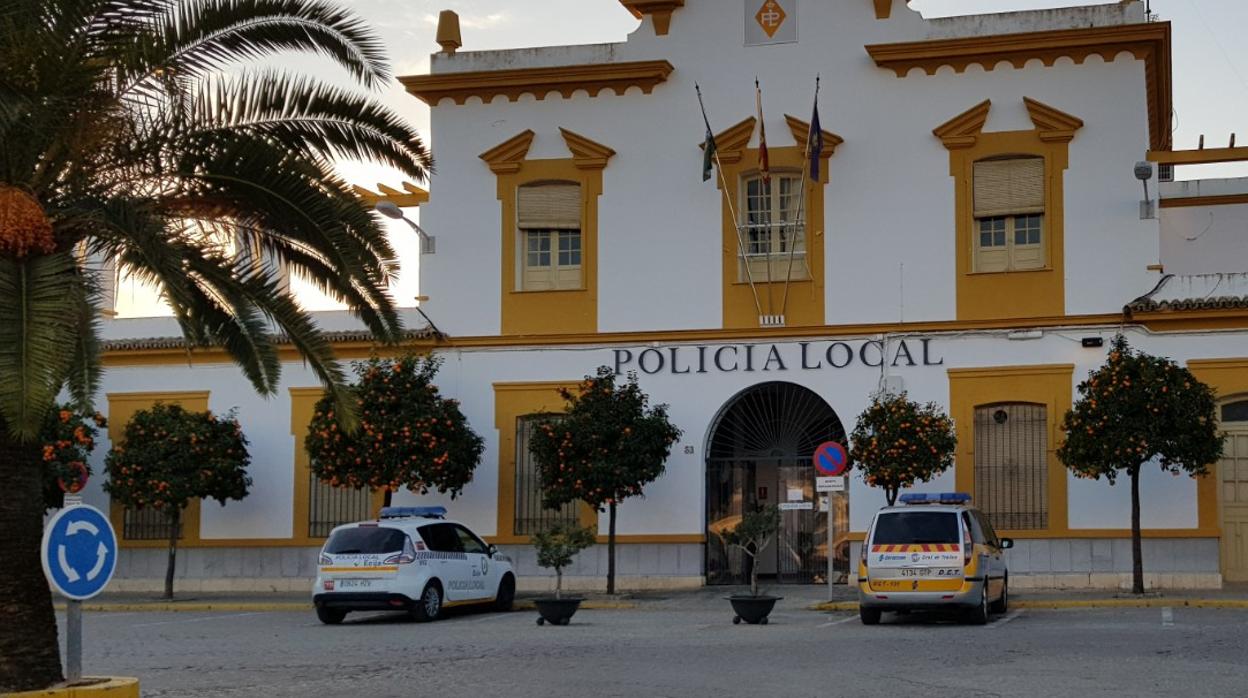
pixel 492 549
pixel 1007 543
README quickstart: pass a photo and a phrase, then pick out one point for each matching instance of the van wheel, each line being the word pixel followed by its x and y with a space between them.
pixel 869 616
pixel 429 606
pixel 330 616
pixel 506 594
pixel 1002 605
pixel 979 614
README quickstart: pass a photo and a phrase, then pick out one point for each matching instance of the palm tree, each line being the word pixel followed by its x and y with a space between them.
pixel 149 133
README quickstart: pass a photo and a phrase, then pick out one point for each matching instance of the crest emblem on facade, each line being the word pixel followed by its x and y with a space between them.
pixel 771 17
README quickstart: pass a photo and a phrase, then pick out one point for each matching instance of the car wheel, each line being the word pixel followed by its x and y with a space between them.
pixel 429 606
pixel 330 616
pixel 869 616
pixel 1002 605
pixel 506 594
pixel 979 614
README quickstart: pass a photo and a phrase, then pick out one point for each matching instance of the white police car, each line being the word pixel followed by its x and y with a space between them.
pixel 412 559
pixel 934 552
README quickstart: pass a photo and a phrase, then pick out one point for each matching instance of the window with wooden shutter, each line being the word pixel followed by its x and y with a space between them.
pixel 549 220
pixel 1011 465
pixel 1009 198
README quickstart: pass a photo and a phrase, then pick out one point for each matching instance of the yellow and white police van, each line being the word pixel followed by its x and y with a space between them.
pixel 933 552
pixel 411 559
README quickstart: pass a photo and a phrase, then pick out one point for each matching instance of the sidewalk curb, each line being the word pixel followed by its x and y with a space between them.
pixel 278 607
pixel 1058 604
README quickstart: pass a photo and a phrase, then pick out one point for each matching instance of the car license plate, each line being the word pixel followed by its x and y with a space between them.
pixel 925 572
pixel 354 583
pixel 920 572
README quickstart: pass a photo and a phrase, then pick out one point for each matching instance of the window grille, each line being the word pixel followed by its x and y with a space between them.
pixel 531 517
pixel 330 507
pixel 1011 465
pixel 148 524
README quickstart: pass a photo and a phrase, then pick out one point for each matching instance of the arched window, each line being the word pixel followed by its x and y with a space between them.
pixel 1009 214
pixel 549 220
pixel 1011 465
pixel 774 229
pixel 1235 411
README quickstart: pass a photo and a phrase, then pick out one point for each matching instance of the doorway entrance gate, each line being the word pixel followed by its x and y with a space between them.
pixel 759 454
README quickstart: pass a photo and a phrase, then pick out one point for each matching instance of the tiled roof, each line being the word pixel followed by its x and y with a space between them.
pixel 343 337
pixel 1195 292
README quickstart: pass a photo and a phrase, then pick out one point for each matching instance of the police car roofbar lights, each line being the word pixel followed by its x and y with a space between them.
pixel 930 498
pixel 412 512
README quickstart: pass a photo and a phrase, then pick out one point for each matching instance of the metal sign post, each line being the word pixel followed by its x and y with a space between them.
pixel 831 462
pixel 79 555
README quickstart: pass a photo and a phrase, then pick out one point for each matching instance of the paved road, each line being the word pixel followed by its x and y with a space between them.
pixel 673 652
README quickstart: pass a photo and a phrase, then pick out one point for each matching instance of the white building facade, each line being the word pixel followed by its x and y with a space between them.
pixel 974 237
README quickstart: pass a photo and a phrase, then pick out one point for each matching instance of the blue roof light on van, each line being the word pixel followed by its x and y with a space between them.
pixel 412 512
pixel 934 498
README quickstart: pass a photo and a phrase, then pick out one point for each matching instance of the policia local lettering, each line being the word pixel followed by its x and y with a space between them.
pixel 750 358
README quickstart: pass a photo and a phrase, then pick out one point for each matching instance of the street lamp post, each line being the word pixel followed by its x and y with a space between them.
pixel 391 210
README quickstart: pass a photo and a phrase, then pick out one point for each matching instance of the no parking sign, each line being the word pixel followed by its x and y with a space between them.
pixel 831 459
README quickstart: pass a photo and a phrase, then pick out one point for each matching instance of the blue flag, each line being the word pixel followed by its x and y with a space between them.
pixel 814 144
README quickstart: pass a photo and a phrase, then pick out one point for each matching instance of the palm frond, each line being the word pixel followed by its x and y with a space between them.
pixel 38 325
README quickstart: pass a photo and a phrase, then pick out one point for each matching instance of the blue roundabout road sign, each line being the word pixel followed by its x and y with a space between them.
pixel 79 552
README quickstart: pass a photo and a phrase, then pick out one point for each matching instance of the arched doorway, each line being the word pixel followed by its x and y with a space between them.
pixel 759 452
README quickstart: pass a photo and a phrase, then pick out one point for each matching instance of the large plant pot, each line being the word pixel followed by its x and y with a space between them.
pixel 556 611
pixel 752 609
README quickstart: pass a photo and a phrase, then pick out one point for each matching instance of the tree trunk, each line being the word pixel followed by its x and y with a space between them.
pixel 611 552
pixel 385 499
pixel 754 572
pixel 30 656
pixel 558 583
pixel 891 494
pixel 175 522
pixel 1137 548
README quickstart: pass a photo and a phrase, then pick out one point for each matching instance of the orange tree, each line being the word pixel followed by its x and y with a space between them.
pixel 409 436
pixel 68 437
pixel 606 448
pixel 169 456
pixel 898 442
pixel 1134 410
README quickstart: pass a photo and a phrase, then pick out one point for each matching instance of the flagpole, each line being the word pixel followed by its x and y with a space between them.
pixel 731 210
pixel 801 206
pixel 764 164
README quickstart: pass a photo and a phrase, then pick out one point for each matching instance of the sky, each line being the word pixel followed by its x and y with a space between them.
pixel 1210 74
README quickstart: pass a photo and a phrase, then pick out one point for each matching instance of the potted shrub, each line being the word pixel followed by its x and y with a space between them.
pixel 555 549
pixel 753 535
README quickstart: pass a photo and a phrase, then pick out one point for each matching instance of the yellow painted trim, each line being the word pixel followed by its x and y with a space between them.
pixel 121 409
pixel 640 539
pixel 1011 294
pixel 660 12
pixel 1227 377
pixel 1048 385
pixel 1091 533
pixel 512 401
pixel 549 312
pixel 1147 42
pixel 110 687
pixel 806 297
pixel 1223 200
pixel 353 570
pixel 1198 157
pixel 564 79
